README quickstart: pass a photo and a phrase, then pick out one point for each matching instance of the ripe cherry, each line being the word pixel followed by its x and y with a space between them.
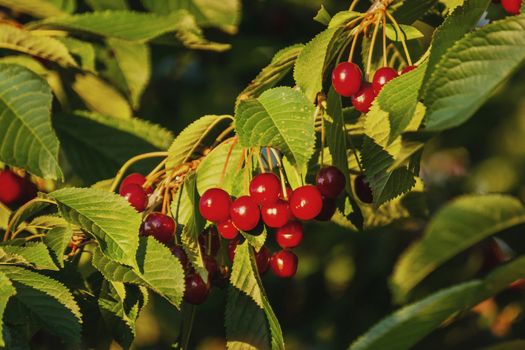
pixel 288 194
pixel 232 245
pixel 227 230
pixel 210 237
pixel 245 213
pixel 11 187
pixel 214 205
pixel 211 266
pixel 290 235
pixel 512 7
pixel 262 258
pixel 381 77
pixel 407 69
pixel 277 214
pixel 265 188
pixel 137 179
pixel 29 190
pixel 306 202
pixel 330 181
pixel 180 254
pixel 136 196
pixel 160 226
pixel 362 189
pixel 363 99
pixel 328 210
pixel 284 263
pixel 196 289
pixel 346 78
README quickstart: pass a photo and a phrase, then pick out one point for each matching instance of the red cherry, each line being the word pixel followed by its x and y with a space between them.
pixel 306 202
pixel 381 77
pixel 262 258
pixel 136 196
pixel 284 263
pixel 346 78
pixel 137 179
pixel 330 181
pixel 180 254
pixel 232 245
pixel 512 7
pixel 227 229
pixel 196 290
pixel 328 210
pixel 214 205
pixel 11 187
pixel 160 226
pixel 407 69
pixel 211 265
pixel 288 194
pixel 277 214
pixel 363 99
pixel 245 213
pixel 290 235
pixel 210 236
pixel 362 189
pixel 265 188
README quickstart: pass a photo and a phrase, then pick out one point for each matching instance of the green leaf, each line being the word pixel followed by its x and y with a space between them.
pixel 35 253
pixel 84 51
pixel 187 142
pixel 455 26
pixel 36 8
pixel 26 137
pixel 47 48
pixel 282 118
pixel 250 321
pixel 57 240
pixel 471 70
pixel 323 16
pixel 107 216
pixel 459 225
pixel 407 33
pixel 341 19
pixel 5 213
pixel 27 211
pixel 6 292
pixel 48 300
pixel 100 5
pixel 273 73
pixel 411 10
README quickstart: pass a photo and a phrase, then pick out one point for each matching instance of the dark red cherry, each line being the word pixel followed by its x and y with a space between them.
pixel 288 194
pixel 363 99
pixel 306 202
pixel 227 230
pixel 136 196
pixel 29 190
pixel 137 179
pixel 11 187
pixel 330 181
pixel 328 210
pixel 160 226
pixel 245 213
pixel 214 205
pixel 196 289
pixel 265 188
pixel 346 78
pixel 512 7
pixel 407 69
pixel 262 258
pixel 180 254
pixel 211 266
pixel 232 245
pixel 284 263
pixel 290 235
pixel 381 77
pixel 277 214
pixel 210 237
pixel 362 189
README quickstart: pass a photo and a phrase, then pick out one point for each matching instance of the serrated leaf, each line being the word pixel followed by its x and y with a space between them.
pixel 342 18
pixel 107 216
pixel 189 139
pixel 405 327
pixel 282 118
pixel 459 225
pixel 37 8
pixel 278 68
pixel 47 299
pixel 100 5
pixel 323 16
pixel 469 72
pixel 250 321
pixel 6 292
pixel 81 49
pixel 25 212
pixel 256 240
pixel 26 137
pixel 411 10
pixel 407 33
pixel 35 253
pixel 57 240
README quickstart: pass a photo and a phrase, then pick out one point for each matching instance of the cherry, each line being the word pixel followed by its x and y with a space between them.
pixel 265 188
pixel 512 7
pixel 330 181
pixel 407 69
pixel 288 194
pixel 284 263
pixel 211 265
pixel 381 77
pixel 227 229
pixel 306 202
pixel 160 226
pixel 29 190
pixel 277 214
pixel 11 187
pixel 214 205
pixel 346 78
pixel 290 235
pixel 363 99
pixel 211 236
pixel 328 210
pixel 362 189
pixel 135 195
pixel 245 213
pixel 180 254
pixel 196 290
pixel 137 179
pixel 262 258
pixel 232 245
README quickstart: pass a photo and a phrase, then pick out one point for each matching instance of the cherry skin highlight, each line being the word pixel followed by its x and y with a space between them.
pixel 330 181
pixel 136 196
pixel 363 99
pixel 245 213
pixel 290 235
pixel 227 230
pixel 159 226
pixel 306 202
pixel 197 290
pixel 381 77
pixel 346 78
pixel 277 214
pixel 214 205
pixel 265 188
pixel 284 264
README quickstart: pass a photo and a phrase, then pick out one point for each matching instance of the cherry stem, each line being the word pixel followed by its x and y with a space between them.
pixel 222 135
pixel 277 158
pixel 228 157
pixel 155 173
pixel 383 18
pixel 21 210
pixel 353 148
pixel 403 41
pixel 354 42
pixel 372 44
pixel 130 162
pixel 260 161
pixel 317 109
pixel 269 157
pixel 353 5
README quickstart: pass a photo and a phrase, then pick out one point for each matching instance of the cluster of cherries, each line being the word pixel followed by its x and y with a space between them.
pixel 512 7
pixel 15 190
